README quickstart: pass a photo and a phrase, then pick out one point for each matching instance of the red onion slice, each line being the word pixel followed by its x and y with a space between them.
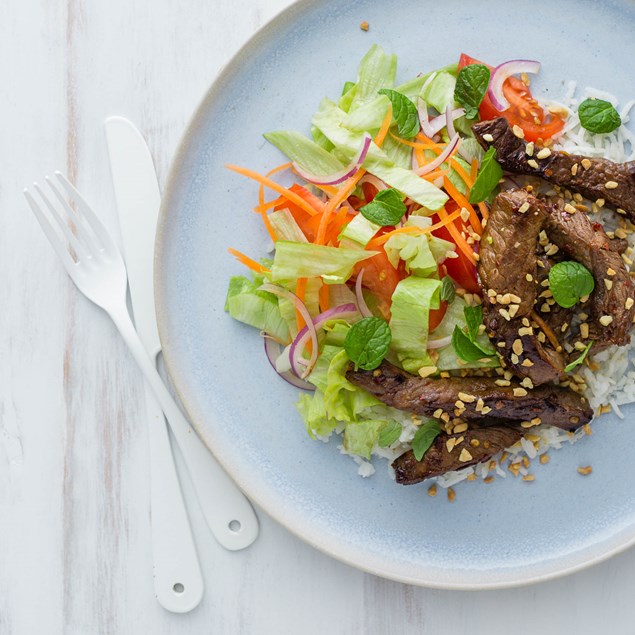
pixel 432 127
pixel 342 312
pixel 273 351
pixel 361 303
pixel 306 316
pixel 501 73
pixel 374 181
pixel 341 175
pixel 434 164
pixel 440 343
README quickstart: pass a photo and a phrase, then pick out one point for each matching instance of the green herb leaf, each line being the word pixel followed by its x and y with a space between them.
pixel 474 319
pixel 471 86
pixel 367 342
pixel 424 437
pixel 404 112
pixel 598 116
pixel 389 434
pixel 569 281
pixel 466 349
pixel 387 208
pixel 489 174
pixel 448 291
pixel 569 367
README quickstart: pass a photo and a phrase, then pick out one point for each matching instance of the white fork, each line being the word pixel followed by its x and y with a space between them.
pixel 96 266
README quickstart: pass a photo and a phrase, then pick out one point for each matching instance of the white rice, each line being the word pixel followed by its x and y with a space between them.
pixel 614 383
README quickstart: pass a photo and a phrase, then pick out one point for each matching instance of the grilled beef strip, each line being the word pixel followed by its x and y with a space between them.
pixel 559 167
pixel 438 460
pixel 587 243
pixel 548 404
pixel 507 256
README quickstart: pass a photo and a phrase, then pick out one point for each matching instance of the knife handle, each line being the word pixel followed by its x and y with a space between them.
pixel 228 513
pixel 178 581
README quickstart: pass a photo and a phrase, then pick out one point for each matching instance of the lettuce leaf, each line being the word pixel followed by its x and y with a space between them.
pixel 376 70
pixel 310 155
pixel 359 230
pixel 256 308
pixel 360 438
pixel 411 303
pixel 305 260
pixel 329 119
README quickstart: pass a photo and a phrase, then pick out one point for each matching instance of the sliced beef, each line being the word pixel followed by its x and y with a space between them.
pixel 584 241
pixel 438 460
pixel 552 405
pixel 560 167
pixel 509 273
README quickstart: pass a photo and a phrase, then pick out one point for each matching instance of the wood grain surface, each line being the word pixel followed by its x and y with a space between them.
pixel 74 514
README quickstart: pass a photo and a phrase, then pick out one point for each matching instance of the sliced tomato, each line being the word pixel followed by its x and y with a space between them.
pixel 436 315
pixel 307 223
pixel 524 111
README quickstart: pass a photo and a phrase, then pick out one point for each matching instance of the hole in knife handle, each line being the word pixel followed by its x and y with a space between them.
pixel 178 588
pixel 235 526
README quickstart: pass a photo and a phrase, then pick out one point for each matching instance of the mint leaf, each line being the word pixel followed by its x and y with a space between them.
pixel 466 349
pixel 367 342
pixel 471 86
pixel 387 208
pixel 569 367
pixel 489 174
pixel 448 291
pixel 389 434
pixel 473 319
pixel 598 116
pixel 404 112
pixel 569 281
pixel 424 437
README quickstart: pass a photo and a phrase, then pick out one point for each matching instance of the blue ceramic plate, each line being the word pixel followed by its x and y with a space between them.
pixel 502 534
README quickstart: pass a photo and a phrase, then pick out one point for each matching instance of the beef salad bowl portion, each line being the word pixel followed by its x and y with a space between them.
pixel 416 354
pixel 448 275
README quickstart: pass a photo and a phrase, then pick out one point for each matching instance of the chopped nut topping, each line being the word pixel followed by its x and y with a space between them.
pixel 585 471
pixel 527 383
pixel 426 371
pixel 524 207
pixel 502 382
pixel 485 410
pixel 466 398
pixel 517 347
pixel 629 303
pixel 527 363
pixel 605 320
pixel 488 137
pixel 529 277
pixel 529 477
pixel 363 25
pixel 432 490
pixel 450 443
pixel 519 392
pixel 574 169
pixel 465 456
pixel 608 283
pixel 505 314
pixel 570 209
pixel 437 413
pixel 543 154
pixel 586 164
pixel 610 185
pixel 451 494
pixel 475 443
pixel 544 458
pixel 530 149
pixel 584 330
pixel 518 132
pixel 461 427
pixel 610 271
pixel 525 330
pixel 600 202
pixel 533 163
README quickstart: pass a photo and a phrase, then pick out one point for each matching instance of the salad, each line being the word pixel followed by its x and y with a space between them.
pixel 375 279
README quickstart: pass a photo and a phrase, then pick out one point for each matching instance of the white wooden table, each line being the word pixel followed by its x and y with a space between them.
pixel 74 518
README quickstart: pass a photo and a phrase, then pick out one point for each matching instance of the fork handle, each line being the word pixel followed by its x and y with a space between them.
pixel 228 513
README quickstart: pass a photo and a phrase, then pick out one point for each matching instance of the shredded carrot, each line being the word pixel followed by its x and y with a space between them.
pixel 380 240
pixel 323 297
pixel 334 202
pixel 546 329
pixel 414 144
pixel 385 126
pixel 263 180
pixel 473 170
pixel 463 202
pixel 460 242
pixel 300 291
pixel 431 176
pixel 261 192
pixel 265 207
pixel 247 261
pixel 484 210
pixel 329 189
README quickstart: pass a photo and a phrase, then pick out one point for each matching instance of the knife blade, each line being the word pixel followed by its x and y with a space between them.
pixel 178 581
pixel 228 513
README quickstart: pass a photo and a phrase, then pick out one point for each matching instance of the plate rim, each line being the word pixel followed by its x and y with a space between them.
pixel 491 578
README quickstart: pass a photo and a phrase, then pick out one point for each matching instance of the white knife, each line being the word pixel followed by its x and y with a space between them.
pixel 137 193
